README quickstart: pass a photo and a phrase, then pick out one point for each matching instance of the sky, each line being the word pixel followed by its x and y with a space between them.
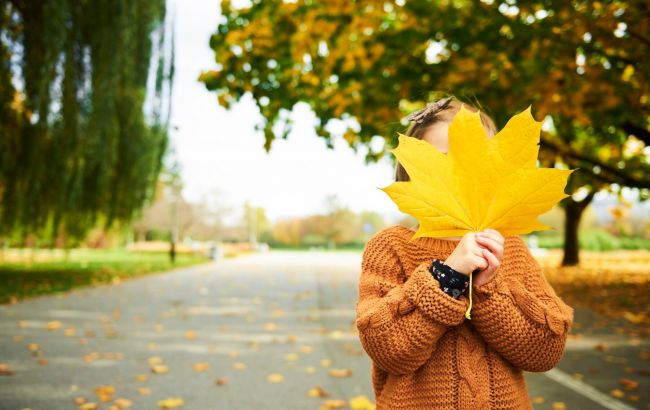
pixel 220 152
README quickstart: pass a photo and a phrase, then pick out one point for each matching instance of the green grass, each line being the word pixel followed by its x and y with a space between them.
pixel 597 240
pixel 26 273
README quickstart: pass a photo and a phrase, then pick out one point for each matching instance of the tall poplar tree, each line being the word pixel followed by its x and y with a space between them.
pixel 85 90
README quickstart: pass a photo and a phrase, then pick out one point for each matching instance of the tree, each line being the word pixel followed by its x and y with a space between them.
pixel 81 135
pixel 581 64
pixel 256 222
pixel 289 231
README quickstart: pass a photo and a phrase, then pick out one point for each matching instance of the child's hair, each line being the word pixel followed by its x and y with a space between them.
pixel 417 130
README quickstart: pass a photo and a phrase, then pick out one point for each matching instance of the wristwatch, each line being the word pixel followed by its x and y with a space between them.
pixel 452 282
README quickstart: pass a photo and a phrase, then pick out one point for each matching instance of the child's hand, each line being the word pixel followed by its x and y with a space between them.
pixel 494 241
pixel 468 256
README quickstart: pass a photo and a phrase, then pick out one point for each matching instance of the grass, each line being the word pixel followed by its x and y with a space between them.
pixel 27 273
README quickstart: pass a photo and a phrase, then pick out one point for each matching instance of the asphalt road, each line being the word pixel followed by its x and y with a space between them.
pixel 255 332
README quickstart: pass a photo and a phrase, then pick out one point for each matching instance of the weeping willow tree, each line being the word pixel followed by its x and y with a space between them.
pixel 85 90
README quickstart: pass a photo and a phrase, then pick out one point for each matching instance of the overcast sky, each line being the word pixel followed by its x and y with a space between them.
pixel 220 150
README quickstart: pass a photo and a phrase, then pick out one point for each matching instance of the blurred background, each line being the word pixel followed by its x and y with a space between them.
pixel 143 136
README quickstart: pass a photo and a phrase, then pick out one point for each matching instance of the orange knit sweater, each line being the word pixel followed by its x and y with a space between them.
pixel 426 355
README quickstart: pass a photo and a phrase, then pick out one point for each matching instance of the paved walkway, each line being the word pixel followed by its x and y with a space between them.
pixel 256 332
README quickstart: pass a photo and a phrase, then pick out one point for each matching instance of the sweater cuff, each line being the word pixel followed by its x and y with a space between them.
pixel 423 291
pixel 452 282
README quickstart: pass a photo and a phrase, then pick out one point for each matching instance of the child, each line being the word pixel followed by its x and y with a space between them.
pixel 410 311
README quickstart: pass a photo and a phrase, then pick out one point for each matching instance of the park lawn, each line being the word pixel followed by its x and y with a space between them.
pixel 25 274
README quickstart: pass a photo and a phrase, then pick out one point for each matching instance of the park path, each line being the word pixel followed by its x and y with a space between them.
pixel 255 332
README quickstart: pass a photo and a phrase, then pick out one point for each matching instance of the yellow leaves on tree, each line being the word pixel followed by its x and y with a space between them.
pixel 480 183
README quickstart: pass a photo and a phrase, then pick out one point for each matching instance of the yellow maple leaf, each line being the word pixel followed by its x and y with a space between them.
pixel 480 183
pixel 170 403
pixel 361 403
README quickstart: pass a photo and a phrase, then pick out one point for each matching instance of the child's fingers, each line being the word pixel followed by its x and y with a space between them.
pixel 491 233
pixel 492 259
pixel 496 233
pixel 494 246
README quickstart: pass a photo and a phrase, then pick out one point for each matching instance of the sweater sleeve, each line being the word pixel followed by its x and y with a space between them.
pixel 519 314
pixel 401 315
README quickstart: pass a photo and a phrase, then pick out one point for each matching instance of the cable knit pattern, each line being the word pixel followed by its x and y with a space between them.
pixel 426 355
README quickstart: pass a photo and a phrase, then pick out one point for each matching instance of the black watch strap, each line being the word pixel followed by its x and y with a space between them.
pixel 452 282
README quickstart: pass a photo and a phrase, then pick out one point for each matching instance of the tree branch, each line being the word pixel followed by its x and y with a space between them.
pixel 640 133
pixel 623 178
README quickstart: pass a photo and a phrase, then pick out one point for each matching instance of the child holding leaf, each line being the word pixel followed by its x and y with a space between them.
pixel 473 191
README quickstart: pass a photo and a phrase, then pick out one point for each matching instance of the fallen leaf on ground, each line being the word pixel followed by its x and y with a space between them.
pixel 200 367
pixel 317 392
pixel 538 400
pixel 306 349
pixel 634 318
pixel 160 369
pixel 336 334
pixel 144 391
pixel 601 347
pixel 53 325
pixel 340 372
pixel 122 403
pixel 628 384
pixel 105 393
pixel 334 404
pixel 270 327
pixel 275 378
pixel 5 370
pixel 361 403
pixel 155 360
pixel 170 403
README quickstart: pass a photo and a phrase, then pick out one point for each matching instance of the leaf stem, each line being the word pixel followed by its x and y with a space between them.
pixel 470 297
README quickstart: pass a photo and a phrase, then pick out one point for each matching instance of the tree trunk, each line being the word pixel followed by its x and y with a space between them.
pixel 573 212
pixel 172 252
